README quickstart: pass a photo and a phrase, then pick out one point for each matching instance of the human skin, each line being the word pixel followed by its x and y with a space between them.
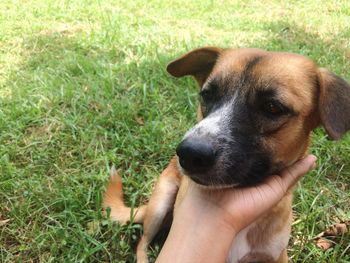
pixel 206 221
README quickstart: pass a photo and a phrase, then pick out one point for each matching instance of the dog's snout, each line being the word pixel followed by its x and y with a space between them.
pixel 196 155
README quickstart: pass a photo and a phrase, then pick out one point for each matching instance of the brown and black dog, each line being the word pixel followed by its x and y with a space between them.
pixel 256 114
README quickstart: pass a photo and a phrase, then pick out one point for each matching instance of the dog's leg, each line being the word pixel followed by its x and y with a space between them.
pixel 151 215
pixel 161 202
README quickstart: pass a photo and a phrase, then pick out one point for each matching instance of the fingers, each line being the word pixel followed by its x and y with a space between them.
pixel 280 184
pixel 292 174
pixel 252 202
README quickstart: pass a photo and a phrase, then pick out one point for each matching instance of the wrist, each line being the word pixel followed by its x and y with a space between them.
pixel 195 237
pixel 207 210
pixel 196 226
pixel 217 206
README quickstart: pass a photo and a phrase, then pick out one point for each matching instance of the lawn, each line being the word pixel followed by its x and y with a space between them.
pixel 83 86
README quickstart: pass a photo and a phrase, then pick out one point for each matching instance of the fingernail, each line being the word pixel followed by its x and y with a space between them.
pixel 313 159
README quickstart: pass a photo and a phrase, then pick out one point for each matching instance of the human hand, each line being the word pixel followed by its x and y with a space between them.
pixel 203 214
pixel 238 207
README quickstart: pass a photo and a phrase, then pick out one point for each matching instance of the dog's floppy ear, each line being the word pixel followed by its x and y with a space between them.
pixel 334 104
pixel 197 63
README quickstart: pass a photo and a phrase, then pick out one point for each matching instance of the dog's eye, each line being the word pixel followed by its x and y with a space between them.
pixel 209 92
pixel 206 94
pixel 273 108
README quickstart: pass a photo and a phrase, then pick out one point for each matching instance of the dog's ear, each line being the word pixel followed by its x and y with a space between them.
pixel 334 104
pixel 197 63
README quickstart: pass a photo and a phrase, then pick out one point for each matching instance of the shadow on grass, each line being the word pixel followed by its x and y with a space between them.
pixel 78 107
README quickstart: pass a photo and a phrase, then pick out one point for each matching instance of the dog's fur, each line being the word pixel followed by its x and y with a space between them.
pixel 257 111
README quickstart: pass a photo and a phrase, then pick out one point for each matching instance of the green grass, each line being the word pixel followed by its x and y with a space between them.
pixel 83 86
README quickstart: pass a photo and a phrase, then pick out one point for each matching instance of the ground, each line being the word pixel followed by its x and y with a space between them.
pixel 83 86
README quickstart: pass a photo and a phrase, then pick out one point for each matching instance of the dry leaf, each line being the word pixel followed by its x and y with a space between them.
pixel 93 227
pixel 140 120
pixel 4 222
pixel 324 244
pixel 336 229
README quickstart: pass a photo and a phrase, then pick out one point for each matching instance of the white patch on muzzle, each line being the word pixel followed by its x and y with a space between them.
pixel 213 124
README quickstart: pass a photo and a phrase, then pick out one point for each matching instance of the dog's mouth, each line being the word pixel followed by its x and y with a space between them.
pixel 212 185
pixel 202 182
pixel 206 183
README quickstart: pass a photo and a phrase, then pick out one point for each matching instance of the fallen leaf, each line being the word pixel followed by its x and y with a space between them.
pixel 140 120
pixel 4 222
pixel 324 244
pixel 331 232
pixel 336 229
pixel 92 227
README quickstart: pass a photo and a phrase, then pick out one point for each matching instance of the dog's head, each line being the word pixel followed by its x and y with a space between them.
pixel 256 114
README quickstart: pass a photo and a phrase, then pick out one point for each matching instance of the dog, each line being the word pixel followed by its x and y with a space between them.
pixel 257 110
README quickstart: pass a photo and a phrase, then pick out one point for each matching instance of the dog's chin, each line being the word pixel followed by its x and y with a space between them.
pixel 212 185
pixel 205 183
pixel 210 181
pixel 209 184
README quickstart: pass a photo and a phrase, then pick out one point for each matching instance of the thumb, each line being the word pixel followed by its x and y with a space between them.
pixel 290 175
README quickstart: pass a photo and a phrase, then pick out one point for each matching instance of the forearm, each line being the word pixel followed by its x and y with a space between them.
pixel 197 236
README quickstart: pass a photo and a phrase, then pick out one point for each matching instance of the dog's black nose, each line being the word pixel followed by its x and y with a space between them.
pixel 195 155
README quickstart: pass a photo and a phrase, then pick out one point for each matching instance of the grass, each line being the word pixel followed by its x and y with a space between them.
pixel 83 86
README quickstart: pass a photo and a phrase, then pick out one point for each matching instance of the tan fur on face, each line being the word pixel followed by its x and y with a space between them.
pixel 295 78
